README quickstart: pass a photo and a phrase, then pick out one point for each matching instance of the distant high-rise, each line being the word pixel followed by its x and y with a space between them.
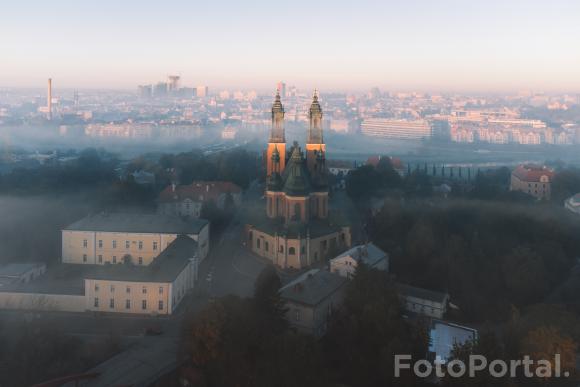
pixel 160 89
pixel 145 91
pixel 202 91
pixel 49 99
pixel 173 82
pixel 281 87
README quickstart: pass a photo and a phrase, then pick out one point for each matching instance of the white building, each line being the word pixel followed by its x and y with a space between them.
pixel 115 238
pixel 346 263
pixel 402 129
pixel 156 289
pixel 444 336
pixel 423 301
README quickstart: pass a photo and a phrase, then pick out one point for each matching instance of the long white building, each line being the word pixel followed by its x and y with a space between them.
pixel 401 129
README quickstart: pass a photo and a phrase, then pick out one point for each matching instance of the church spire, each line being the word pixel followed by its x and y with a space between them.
pixel 315 115
pixel 277 131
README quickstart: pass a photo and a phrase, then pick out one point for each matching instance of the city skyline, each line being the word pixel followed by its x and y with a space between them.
pixel 448 46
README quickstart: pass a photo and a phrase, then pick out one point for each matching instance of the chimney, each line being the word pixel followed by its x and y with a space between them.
pixel 172 187
pixel 49 99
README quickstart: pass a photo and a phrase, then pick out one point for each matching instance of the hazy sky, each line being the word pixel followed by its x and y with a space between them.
pixel 339 45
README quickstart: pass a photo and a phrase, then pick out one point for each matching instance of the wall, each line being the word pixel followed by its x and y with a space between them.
pixel 73 246
pixel 44 302
pixel 105 290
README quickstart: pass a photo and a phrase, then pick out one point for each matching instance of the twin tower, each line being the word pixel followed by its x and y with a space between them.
pixel 297 186
pixel 315 146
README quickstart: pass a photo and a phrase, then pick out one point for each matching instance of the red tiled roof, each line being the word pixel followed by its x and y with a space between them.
pixel 374 160
pixel 198 191
pixel 532 173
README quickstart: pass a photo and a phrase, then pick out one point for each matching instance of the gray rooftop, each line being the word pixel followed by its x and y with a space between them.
pixel 424 294
pixel 18 269
pixel 138 223
pixel 312 287
pixel 165 268
pixel 368 254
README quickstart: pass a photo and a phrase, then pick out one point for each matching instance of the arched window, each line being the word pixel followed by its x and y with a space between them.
pixel 297 211
pixel 291 251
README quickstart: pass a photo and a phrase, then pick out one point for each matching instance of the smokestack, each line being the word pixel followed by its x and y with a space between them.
pixel 49 99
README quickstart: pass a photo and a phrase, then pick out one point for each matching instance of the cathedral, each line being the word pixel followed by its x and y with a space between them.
pixel 297 229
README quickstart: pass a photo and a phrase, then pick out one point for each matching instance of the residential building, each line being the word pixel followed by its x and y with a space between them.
pixel 423 301
pixel 346 263
pixel 188 200
pixel 535 180
pixel 311 299
pixel 116 238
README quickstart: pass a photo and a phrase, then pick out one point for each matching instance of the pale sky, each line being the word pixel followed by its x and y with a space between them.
pixel 333 45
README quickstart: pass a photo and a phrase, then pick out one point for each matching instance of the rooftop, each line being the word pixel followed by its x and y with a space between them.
pixel 312 287
pixel 138 223
pixel 198 191
pixel 368 253
pixel 18 269
pixel 424 294
pixel 533 173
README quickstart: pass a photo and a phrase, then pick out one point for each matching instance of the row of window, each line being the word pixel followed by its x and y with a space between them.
pixel 128 304
pixel 291 250
pixel 113 259
pixel 127 289
pixel 114 244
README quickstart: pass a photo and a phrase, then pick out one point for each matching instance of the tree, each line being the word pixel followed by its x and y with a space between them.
pixel 366 334
pixel 267 299
pixel 545 342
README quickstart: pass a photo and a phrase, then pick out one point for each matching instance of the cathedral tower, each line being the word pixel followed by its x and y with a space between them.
pixel 277 141
pixel 315 141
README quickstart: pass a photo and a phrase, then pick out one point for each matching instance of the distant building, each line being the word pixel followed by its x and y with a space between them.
pixel 422 301
pixel 187 200
pixel 311 299
pixel 115 238
pixel 346 263
pixel 400 129
pixel 281 87
pixel 535 180
pixel 145 91
pixel 124 130
pixel 201 91
pixel 143 177
pixel 229 133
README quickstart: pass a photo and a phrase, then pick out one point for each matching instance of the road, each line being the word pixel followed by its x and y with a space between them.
pixel 230 268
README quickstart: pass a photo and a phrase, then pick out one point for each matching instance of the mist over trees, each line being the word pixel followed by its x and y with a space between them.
pixel 247 342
